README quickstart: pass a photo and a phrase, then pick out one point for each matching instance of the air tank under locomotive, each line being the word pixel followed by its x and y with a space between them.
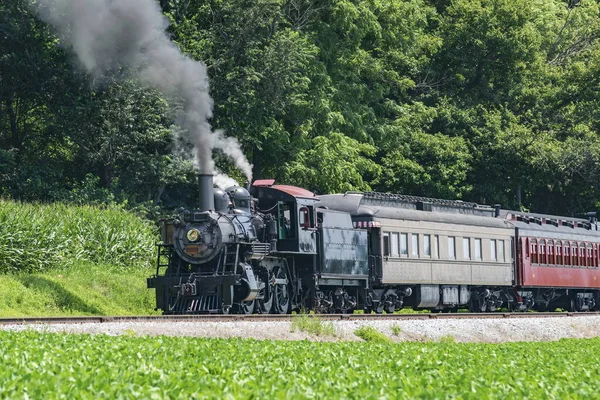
pixel 207 253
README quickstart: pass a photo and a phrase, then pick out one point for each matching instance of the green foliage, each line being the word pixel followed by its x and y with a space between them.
pixel 312 325
pixel 370 334
pixel 447 339
pixel 81 289
pixel 396 330
pixel 493 101
pixel 36 237
pixel 335 163
pixel 43 365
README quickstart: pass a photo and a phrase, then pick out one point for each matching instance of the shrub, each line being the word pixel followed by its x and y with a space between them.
pixel 312 325
pixel 370 334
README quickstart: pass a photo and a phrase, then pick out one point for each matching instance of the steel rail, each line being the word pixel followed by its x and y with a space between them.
pixel 286 317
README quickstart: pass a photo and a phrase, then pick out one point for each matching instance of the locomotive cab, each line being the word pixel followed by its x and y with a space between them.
pixel 293 210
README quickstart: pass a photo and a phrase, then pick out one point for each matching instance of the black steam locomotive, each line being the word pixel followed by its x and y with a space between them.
pixel 270 250
pixel 276 248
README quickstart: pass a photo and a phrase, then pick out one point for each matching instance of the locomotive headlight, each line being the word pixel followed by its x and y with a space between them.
pixel 193 235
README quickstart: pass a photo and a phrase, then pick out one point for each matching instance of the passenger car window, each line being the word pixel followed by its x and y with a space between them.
pixel 478 249
pixel 404 244
pixel 394 245
pixel 427 245
pixel 451 247
pixel 415 245
pixel 466 248
pixel 386 244
pixel 493 255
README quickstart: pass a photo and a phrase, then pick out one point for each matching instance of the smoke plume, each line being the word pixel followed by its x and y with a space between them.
pixel 109 34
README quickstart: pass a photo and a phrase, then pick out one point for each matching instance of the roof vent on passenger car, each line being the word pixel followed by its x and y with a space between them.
pixel 423 205
pixel 535 220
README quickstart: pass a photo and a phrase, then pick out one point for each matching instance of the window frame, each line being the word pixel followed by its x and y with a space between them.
pixel 426 242
pixel 414 251
pixel 478 248
pixel 493 250
pixel 451 239
pixel 385 244
pixel 395 241
pixel 503 250
pixel 404 251
pixel 466 250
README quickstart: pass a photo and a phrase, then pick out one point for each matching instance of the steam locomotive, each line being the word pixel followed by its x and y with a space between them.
pixel 276 248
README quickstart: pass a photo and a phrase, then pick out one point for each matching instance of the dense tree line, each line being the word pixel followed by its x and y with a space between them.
pixel 493 101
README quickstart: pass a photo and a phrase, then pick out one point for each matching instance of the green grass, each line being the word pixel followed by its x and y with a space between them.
pixel 312 325
pixel 49 366
pixel 370 334
pixel 40 237
pixel 86 289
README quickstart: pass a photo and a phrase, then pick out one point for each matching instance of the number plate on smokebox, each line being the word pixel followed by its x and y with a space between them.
pixel 194 248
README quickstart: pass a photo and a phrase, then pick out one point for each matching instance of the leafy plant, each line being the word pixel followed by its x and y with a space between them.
pixel 447 339
pixel 45 365
pixel 312 325
pixel 370 334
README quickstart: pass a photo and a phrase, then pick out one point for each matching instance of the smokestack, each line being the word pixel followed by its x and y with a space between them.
pixel 207 199
pixel 497 210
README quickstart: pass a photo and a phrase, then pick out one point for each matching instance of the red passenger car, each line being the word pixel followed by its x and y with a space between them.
pixel 557 262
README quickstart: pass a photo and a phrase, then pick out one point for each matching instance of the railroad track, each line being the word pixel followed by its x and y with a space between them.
pixel 272 317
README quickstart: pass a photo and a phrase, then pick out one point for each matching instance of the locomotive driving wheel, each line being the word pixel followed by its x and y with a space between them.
pixel 281 295
pixel 246 307
pixel 265 294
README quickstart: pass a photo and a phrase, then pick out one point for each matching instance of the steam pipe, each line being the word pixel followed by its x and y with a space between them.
pixel 207 200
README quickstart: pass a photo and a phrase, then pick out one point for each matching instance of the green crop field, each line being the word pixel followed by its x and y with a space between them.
pixel 44 365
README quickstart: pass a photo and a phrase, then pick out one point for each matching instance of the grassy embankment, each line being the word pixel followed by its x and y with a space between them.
pixel 66 260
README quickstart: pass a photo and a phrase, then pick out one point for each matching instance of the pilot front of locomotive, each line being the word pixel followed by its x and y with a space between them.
pixel 204 262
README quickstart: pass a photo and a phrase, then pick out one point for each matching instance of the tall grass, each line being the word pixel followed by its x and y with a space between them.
pixel 37 237
pixel 312 325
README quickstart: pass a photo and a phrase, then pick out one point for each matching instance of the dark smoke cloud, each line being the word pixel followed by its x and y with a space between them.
pixel 108 34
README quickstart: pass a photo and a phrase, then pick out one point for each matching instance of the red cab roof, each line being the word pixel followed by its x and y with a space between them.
pixel 291 190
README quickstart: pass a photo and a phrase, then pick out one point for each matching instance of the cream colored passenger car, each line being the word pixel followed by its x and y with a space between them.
pixel 430 253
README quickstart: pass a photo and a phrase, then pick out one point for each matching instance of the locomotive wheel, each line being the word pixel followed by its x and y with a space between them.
pixel 281 297
pixel 265 305
pixel 247 307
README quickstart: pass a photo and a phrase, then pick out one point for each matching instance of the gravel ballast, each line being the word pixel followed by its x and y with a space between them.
pixel 459 330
